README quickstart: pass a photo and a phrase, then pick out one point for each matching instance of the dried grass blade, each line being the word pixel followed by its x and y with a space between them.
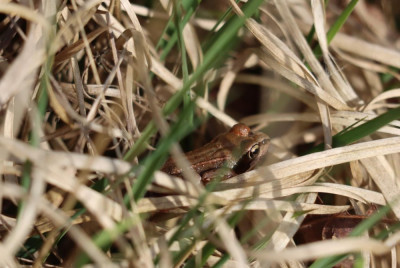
pixel 383 175
pixel 74 48
pixel 325 248
pixel 20 76
pixel 288 226
pixel 367 50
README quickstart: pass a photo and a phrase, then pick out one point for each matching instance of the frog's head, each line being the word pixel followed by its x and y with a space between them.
pixel 251 147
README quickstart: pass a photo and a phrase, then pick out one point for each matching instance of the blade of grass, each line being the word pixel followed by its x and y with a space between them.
pixel 25 182
pixel 311 33
pixel 187 5
pixel 158 157
pixel 185 72
pixel 335 28
pixel 34 136
pixel 361 131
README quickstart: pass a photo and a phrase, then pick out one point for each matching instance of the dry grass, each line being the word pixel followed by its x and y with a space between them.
pixel 94 96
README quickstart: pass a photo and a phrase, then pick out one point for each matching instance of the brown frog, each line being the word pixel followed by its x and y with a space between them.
pixel 227 155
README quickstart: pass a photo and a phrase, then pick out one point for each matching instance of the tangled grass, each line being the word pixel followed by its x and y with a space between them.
pixel 95 95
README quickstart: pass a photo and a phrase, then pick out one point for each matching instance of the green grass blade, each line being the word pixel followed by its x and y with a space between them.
pixel 335 28
pixel 189 6
pixel 362 131
pixel 158 157
pixel 181 44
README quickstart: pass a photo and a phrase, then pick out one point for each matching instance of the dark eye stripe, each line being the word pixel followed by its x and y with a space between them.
pixel 244 163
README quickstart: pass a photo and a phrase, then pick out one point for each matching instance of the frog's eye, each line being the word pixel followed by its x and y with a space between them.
pixel 254 151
